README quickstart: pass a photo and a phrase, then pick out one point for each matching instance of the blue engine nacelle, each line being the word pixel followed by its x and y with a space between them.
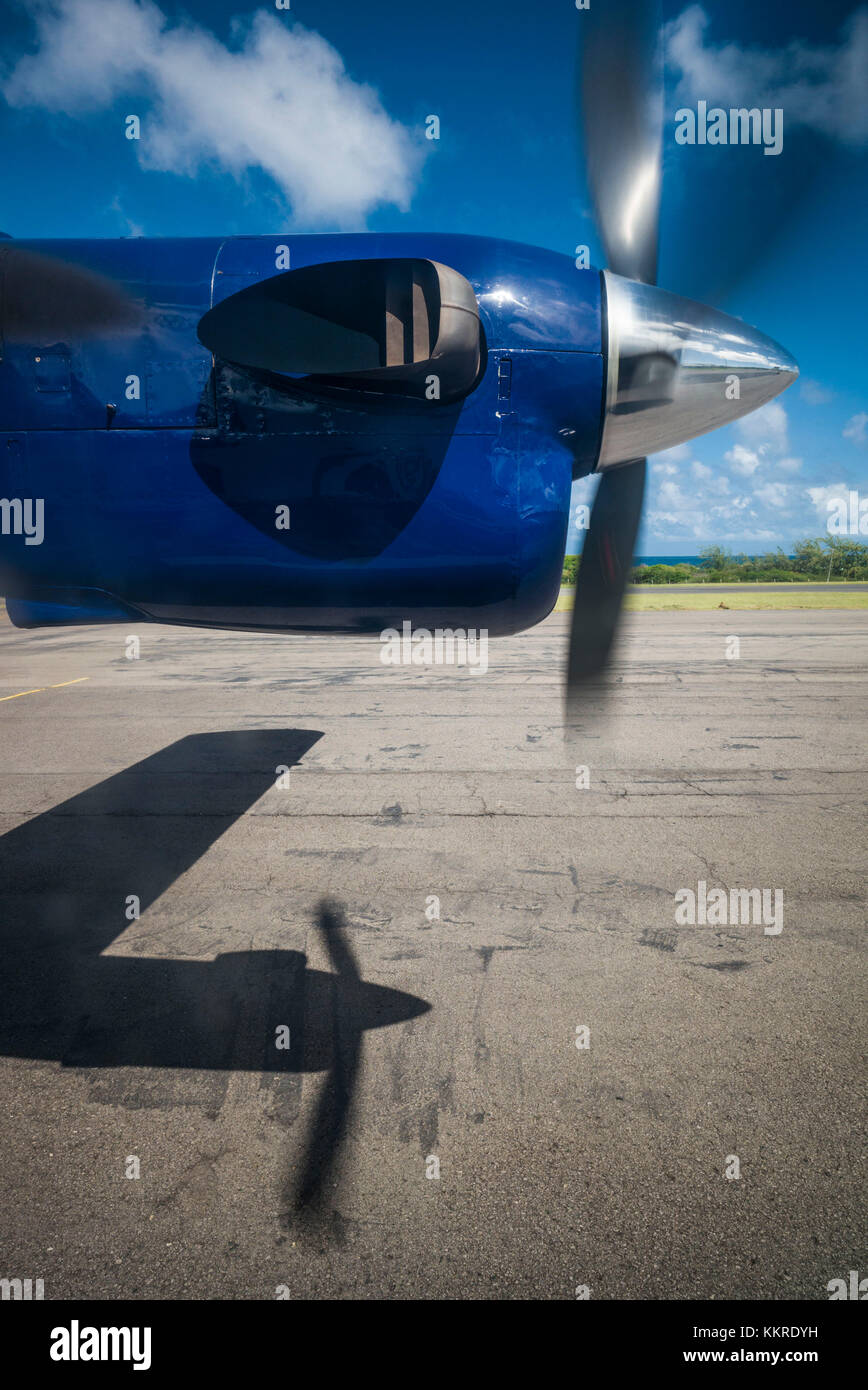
pixel 221 434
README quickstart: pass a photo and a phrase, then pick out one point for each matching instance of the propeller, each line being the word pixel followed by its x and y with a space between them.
pixel 607 559
pixel 669 360
pixel 620 75
pixel 621 96
pixel 46 300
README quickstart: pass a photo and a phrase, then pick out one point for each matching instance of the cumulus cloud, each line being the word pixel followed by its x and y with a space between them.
pixel 775 495
pixel 819 87
pixel 765 429
pixel 856 428
pixel 751 500
pixel 700 512
pixel 701 505
pixel 664 523
pixel 715 483
pixel 662 468
pixel 824 498
pixel 815 393
pixel 278 99
pixel 677 454
pixel 672 495
pixel 744 461
pixel 698 504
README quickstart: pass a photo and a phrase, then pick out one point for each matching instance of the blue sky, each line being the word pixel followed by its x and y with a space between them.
pixel 256 119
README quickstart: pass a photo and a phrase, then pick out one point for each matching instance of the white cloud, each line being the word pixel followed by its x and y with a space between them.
pixel 823 497
pixel 744 461
pixel 856 428
pixel 657 520
pixel 678 453
pixel 775 495
pixel 822 88
pixel 765 429
pixel 750 499
pixel 670 495
pixel 815 393
pixel 279 100
pixel 761 535
pixel 703 509
pixel 131 228
pixel 709 480
pixel 738 502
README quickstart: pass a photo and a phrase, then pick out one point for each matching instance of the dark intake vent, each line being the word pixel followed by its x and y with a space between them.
pixel 386 326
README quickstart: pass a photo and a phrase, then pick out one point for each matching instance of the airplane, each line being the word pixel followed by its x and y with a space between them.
pixel 343 432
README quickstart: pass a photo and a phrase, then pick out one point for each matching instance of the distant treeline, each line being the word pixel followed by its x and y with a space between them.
pixel 827 557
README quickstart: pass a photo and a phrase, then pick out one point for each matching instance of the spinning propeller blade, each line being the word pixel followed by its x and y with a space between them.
pixel 620 72
pixel 668 359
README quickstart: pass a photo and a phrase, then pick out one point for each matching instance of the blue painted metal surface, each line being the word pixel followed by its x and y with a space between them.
pixel 161 469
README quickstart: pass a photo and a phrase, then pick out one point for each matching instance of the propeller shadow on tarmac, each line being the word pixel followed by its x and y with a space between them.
pixel 65 878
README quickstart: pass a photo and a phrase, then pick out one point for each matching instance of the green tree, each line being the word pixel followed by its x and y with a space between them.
pixel 809 558
pixel 714 557
pixel 845 558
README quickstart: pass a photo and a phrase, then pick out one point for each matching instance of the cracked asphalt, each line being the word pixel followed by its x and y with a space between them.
pixel 435 1042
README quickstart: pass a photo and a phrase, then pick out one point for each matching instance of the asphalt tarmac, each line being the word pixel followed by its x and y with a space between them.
pixel 244 1093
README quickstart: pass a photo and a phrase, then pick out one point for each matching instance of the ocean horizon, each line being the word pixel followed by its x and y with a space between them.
pixel 672 559
pixel 666 560
pixel 657 559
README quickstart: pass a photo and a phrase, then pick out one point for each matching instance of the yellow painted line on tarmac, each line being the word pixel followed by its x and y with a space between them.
pixel 40 689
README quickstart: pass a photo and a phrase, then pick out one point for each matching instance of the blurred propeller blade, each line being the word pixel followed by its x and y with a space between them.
pixel 46 300
pixel 620 76
pixel 607 559
pixel 741 209
pixel 621 99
